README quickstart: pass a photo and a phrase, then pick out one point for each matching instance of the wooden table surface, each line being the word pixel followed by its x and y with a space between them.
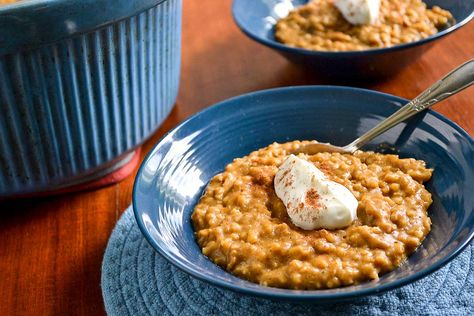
pixel 51 249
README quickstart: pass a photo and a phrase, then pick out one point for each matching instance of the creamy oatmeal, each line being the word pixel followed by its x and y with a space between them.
pixel 242 225
pixel 319 25
pixel 8 1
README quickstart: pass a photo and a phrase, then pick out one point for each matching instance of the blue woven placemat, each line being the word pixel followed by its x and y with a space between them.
pixel 138 281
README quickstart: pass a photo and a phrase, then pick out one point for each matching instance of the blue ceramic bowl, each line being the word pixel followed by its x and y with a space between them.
pixel 174 174
pixel 82 84
pixel 256 18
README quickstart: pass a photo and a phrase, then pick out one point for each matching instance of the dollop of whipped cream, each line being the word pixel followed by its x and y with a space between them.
pixel 311 199
pixel 359 11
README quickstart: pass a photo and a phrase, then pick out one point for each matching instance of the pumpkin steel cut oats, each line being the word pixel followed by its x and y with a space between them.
pixel 242 225
pixel 319 25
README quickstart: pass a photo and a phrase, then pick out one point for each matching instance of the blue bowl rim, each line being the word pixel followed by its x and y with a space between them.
pixel 286 294
pixel 352 53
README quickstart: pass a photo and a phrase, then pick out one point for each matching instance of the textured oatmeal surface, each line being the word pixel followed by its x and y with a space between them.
pixel 242 225
pixel 8 1
pixel 319 25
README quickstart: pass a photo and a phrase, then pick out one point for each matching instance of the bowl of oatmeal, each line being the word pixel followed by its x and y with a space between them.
pixel 205 196
pixel 317 35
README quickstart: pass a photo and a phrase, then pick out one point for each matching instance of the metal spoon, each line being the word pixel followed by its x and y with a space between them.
pixel 457 80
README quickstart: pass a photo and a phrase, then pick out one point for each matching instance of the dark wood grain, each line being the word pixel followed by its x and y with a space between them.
pixel 51 248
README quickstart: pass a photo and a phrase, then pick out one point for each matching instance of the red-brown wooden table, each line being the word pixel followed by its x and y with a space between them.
pixel 51 248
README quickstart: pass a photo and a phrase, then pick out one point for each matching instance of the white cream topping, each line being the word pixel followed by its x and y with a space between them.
pixel 359 11
pixel 311 199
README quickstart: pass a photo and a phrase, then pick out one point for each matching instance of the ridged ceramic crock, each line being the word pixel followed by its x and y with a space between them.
pixel 82 83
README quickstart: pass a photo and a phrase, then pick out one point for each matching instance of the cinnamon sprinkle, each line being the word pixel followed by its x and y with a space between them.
pixel 312 197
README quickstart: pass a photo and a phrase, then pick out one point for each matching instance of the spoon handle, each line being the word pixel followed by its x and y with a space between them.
pixel 457 80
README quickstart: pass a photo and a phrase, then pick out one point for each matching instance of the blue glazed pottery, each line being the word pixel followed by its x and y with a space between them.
pixel 175 173
pixel 256 18
pixel 82 84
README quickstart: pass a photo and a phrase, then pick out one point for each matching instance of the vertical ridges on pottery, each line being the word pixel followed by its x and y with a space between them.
pixel 69 108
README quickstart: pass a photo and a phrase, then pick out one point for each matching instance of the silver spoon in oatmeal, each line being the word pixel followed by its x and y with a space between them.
pixel 457 80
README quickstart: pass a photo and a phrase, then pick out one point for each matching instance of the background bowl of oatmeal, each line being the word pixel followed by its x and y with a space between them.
pixel 257 19
pixel 174 175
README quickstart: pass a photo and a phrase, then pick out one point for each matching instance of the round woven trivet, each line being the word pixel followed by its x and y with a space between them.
pixel 136 280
